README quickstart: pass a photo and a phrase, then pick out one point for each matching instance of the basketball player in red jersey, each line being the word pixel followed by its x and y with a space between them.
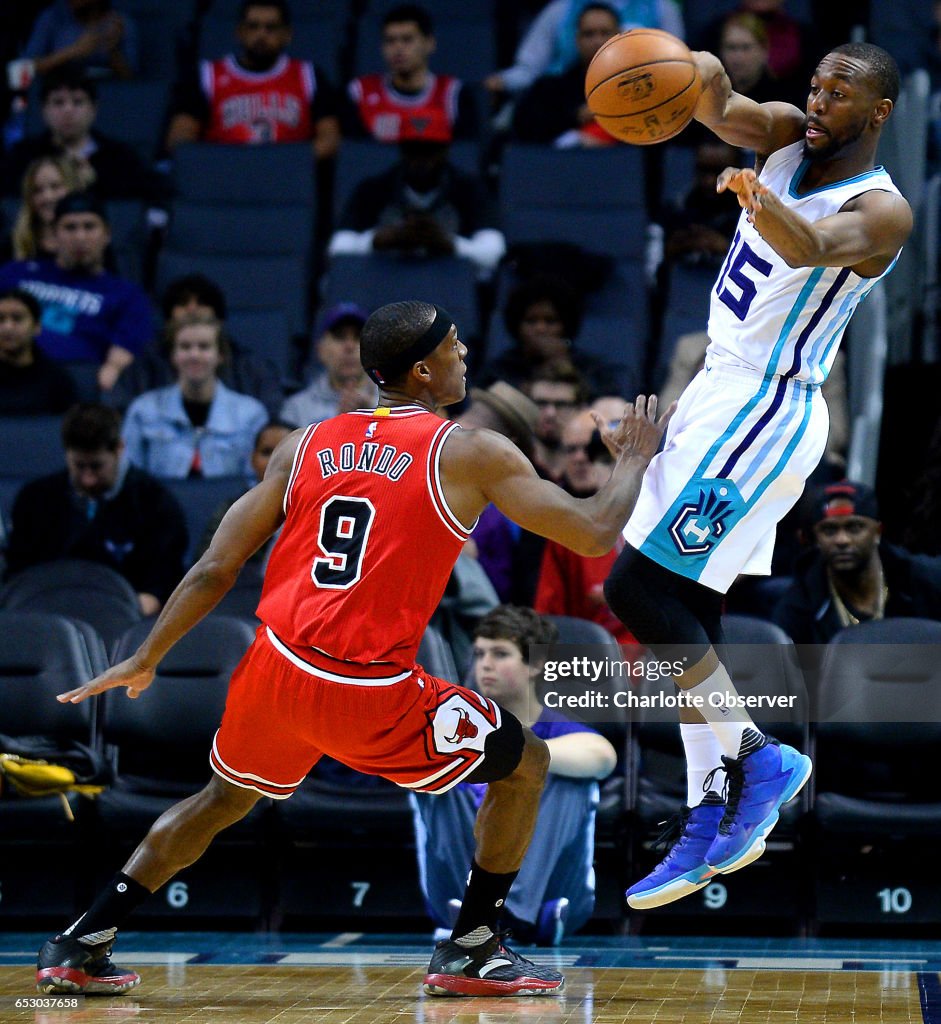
pixel 375 505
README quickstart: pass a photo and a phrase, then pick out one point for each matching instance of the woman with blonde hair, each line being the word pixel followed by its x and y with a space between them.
pixel 46 180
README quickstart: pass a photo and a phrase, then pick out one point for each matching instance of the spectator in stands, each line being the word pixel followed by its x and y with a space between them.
pixel 553 109
pixel 30 383
pixel 85 33
pixel 559 392
pixel 790 52
pixel 243 371
pixel 101 509
pixel 569 583
pixel 542 315
pixel 549 45
pixel 850 576
pixel 89 315
pixel 258 94
pixel 196 427
pixel 409 101
pixel 46 181
pixel 553 894
pixel 423 206
pixel 743 49
pixel 340 384
pixel 109 168
pixel 266 440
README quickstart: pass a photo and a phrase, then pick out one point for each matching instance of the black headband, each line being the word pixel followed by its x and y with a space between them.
pixel 428 342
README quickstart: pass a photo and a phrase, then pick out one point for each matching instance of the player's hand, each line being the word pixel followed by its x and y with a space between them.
pixel 744 183
pixel 639 432
pixel 129 673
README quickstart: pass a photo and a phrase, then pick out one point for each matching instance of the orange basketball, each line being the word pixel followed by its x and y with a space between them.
pixel 642 86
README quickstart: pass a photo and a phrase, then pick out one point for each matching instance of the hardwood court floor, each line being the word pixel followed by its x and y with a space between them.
pixel 206 979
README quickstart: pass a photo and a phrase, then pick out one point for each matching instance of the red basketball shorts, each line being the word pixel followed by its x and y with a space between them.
pixel 282 715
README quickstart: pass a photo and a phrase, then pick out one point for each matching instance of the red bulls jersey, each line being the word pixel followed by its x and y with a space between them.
pixel 262 106
pixel 391 116
pixel 367 545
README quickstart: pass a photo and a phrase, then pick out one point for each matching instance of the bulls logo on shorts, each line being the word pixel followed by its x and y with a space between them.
pixel 705 514
pixel 461 723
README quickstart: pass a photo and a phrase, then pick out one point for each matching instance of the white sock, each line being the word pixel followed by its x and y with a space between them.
pixel 703 754
pixel 728 723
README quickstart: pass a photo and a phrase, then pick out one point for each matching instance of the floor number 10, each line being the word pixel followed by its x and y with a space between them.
pixel 895 901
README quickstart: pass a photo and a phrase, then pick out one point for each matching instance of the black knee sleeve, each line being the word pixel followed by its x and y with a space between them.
pixel 661 608
pixel 503 751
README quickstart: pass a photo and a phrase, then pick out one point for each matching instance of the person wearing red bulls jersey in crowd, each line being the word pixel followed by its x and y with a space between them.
pixel 258 95
pixel 374 507
pixel 409 101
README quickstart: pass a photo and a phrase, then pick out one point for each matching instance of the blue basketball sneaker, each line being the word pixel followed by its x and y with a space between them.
pixel 684 870
pixel 757 785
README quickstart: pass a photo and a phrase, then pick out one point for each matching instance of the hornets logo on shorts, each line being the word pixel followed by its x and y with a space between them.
pixel 705 512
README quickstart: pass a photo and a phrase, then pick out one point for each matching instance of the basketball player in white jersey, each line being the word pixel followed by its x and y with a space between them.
pixel 820 225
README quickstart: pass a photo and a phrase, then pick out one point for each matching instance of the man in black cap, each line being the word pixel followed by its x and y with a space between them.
pixel 850 576
pixel 88 314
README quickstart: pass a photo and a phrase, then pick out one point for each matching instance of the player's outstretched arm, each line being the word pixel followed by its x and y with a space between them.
pixel 246 526
pixel 866 234
pixel 480 467
pixel 738 120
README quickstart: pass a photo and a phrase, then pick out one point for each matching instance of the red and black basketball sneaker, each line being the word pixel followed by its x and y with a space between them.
pixel 66 966
pixel 490 969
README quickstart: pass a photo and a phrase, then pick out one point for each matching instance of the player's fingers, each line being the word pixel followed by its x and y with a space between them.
pixel 667 416
pixel 640 405
pixel 73 696
pixel 725 178
pixel 652 408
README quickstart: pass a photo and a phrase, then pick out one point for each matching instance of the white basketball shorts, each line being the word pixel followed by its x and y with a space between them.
pixel 736 456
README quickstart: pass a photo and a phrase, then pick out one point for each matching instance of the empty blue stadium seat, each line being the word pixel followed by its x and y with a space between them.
pixel 199 227
pixel 32 446
pixel 249 282
pixel 134 112
pixel 591 198
pixel 245 175
pixel 266 333
pixel 199 499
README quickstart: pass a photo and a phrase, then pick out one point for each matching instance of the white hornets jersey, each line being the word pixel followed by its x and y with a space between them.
pixel 775 319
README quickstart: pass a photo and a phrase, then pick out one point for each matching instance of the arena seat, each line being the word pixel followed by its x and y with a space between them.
pixel 880 717
pixel 134 112
pixel 263 230
pixel 877 812
pixel 265 332
pixel 591 198
pixel 376 279
pixel 79 589
pixel 249 282
pixel 245 175
pixel 32 446
pixel 42 655
pixel 160 745
pixel 199 498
